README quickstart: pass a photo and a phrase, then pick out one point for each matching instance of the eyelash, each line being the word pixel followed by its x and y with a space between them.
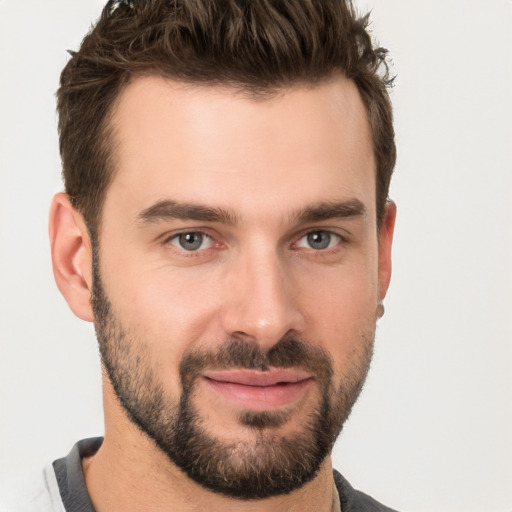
pixel 198 252
pixel 168 241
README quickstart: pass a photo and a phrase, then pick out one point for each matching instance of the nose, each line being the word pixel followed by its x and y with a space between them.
pixel 262 306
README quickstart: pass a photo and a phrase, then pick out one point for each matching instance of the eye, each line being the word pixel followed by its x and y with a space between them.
pixel 192 241
pixel 319 240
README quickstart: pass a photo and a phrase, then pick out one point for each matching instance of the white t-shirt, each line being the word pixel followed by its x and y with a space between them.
pixel 38 493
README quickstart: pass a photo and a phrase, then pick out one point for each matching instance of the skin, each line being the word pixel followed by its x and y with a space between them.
pixel 257 279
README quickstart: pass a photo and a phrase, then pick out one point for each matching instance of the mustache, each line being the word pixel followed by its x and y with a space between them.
pixel 235 353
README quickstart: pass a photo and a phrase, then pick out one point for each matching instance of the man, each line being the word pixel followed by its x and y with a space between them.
pixel 226 227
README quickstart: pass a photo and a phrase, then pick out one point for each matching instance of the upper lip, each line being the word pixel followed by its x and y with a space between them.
pixel 257 377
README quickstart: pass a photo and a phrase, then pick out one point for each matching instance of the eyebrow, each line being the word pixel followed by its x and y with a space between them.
pixel 169 210
pixel 327 210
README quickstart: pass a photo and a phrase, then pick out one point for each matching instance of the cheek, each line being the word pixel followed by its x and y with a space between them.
pixel 164 316
pixel 341 315
pixel 169 308
pixel 343 296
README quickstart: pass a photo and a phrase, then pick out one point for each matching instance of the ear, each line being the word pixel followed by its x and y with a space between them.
pixel 71 256
pixel 385 243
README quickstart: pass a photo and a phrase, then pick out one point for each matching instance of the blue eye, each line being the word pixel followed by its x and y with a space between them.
pixel 192 241
pixel 319 240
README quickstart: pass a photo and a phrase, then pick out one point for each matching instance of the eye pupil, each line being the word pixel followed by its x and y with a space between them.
pixel 191 241
pixel 319 239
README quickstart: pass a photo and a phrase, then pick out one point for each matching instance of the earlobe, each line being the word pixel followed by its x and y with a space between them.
pixel 385 244
pixel 71 256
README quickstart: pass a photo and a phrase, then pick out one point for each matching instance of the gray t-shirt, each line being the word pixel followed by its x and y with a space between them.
pixel 61 488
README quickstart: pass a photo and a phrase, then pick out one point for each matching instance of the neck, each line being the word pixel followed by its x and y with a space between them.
pixel 130 473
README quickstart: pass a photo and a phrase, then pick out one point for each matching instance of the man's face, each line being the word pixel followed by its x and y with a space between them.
pixel 237 276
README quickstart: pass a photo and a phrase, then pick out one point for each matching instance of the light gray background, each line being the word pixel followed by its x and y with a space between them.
pixel 432 430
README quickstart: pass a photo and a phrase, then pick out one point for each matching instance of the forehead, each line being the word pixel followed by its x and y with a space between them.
pixel 218 146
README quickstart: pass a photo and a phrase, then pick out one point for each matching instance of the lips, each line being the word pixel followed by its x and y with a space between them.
pixel 257 390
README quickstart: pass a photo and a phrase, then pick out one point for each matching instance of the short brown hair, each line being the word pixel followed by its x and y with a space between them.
pixel 252 45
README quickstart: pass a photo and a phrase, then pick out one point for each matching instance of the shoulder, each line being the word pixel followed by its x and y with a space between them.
pixel 38 492
pixel 352 500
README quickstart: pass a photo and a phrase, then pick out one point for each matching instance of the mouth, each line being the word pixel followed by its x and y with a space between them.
pixel 257 390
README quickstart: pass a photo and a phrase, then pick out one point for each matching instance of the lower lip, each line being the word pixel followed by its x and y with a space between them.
pixel 260 398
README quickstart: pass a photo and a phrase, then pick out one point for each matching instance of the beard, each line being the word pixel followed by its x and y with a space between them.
pixel 271 463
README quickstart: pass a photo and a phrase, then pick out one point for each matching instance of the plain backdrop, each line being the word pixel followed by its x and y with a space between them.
pixel 433 428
